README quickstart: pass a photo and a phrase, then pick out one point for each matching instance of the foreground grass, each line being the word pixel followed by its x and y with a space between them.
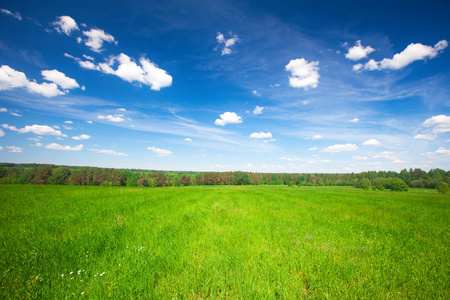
pixel 235 242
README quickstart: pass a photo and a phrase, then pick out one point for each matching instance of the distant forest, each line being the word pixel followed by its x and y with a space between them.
pixel 11 173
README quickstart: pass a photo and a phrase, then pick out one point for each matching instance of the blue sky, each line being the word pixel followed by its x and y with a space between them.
pixel 266 86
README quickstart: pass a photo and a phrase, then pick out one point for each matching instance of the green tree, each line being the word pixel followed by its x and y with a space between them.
pixel 60 176
pixel 442 187
pixel 399 186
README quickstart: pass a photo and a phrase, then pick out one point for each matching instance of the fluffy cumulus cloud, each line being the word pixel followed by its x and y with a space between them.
pixel 358 51
pixel 14 149
pixel 258 110
pixel 354 120
pixel 2 133
pixel 11 79
pixel 412 53
pixel 228 118
pixel 371 142
pixel 36 129
pixel 81 137
pixel 95 39
pixel 60 79
pixel 261 135
pixel 388 155
pixel 65 24
pixel 110 152
pixel 303 74
pixel 440 123
pixel 123 66
pixel 160 152
pixel 226 43
pixel 341 148
pixel 55 146
pixel 15 15
pixel 115 118
pixel 442 151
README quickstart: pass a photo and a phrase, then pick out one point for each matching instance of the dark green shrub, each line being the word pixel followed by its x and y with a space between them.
pixel 364 186
pixel 442 187
pixel 399 186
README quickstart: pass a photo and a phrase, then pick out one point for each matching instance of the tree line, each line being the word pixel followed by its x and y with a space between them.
pixel 11 173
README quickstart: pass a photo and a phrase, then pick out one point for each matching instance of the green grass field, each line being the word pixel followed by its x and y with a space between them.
pixel 238 242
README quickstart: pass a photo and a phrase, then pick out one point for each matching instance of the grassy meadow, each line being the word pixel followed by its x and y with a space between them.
pixel 233 242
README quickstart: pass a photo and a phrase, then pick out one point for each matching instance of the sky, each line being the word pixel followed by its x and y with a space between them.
pixel 258 86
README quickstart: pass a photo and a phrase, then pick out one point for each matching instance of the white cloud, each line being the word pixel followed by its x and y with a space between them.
pixel 442 151
pixel 261 135
pixel 387 155
pixel 228 118
pixel 146 72
pixel 371 142
pixel 160 152
pixel 355 120
pixel 312 149
pixel 15 114
pixel 68 122
pixel 15 15
pixel 441 123
pixel 358 67
pixel 340 148
pixel 89 122
pixel 188 139
pixel 122 109
pixel 227 43
pixel 60 79
pixel 14 149
pixel 36 129
pixel 96 38
pixel 255 92
pixel 360 158
pixel 10 79
pixel 65 24
pixel 316 137
pixel 428 137
pixel 82 137
pixel 55 146
pixel 155 77
pixel 2 133
pixel 88 57
pixel 45 89
pixel 412 53
pixel 110 152
pixel 270 140
pixel 290 158
pixel 115 118
pixel 358 51
pixel 303 74
pixel 2 109
pixel 258 110
pixel 1 148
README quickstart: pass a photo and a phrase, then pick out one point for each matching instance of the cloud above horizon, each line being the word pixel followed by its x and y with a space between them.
pixel 65 24
pixel 358 51
pixel 11 79
pixel 303 74
pixel 412 53
pixel 228 118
